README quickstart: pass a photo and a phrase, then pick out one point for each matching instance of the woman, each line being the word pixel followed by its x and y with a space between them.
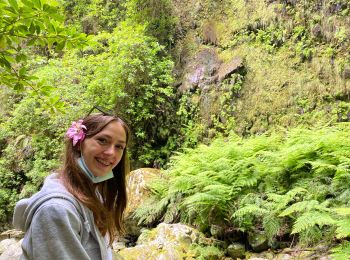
pixel 78 212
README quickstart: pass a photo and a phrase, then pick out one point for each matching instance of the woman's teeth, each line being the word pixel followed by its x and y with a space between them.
pixel 105 163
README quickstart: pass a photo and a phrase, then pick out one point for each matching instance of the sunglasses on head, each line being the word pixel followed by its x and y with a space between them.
pixel 104 111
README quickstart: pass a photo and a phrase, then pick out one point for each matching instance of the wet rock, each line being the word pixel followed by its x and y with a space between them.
pixel 236 250
pixel 258 242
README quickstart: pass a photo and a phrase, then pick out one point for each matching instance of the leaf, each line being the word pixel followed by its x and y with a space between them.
pixel 32 28
pixel 14 4
pixel 310 219
pixel 5 63
pixel 28 3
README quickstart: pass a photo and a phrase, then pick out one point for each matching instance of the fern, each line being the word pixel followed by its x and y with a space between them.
pixel 252 210
pixel 310 219
pixel 343 224
pixel 272 226
pixel 303 206
pixel 341 252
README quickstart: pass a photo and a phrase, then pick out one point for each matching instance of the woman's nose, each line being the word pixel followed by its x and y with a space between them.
pixel 110 150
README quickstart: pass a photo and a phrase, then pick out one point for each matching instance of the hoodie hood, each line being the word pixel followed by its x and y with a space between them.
pixel 53 188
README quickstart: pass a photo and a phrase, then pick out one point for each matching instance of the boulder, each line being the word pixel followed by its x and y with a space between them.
pixel 236 250
pixel 258 242
pixel 137 192
pixel 167 241
pixel 6 243
pixel 13 250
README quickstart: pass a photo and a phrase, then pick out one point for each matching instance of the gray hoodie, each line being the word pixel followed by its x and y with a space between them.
pixel 58 226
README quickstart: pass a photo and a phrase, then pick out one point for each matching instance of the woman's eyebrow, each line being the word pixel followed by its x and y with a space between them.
pixel 110 137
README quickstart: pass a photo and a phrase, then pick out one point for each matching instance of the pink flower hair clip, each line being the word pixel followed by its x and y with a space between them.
pixel 76 131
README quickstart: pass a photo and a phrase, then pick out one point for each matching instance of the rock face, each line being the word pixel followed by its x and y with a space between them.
pixel 137 191
pixel 167 241
pixel 200 70
pixel 226 69
pixel 206 68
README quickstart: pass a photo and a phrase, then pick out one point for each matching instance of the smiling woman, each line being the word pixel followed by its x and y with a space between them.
pixel 78 212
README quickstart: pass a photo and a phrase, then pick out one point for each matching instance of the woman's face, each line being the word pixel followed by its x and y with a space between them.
pixel 103 151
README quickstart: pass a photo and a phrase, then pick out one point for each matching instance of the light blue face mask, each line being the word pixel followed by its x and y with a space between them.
pixel 92 177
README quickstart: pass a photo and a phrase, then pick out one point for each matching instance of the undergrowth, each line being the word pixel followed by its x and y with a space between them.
pixel 286 184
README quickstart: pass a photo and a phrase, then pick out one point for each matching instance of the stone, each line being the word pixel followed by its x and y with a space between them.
pixel 13 251
pixel 200 70
pixel 4 244
pixel 236 250
pixel 137 191
pixel 226 69
pixel 217 231
pixel 12 233
pixel 166 241
pixel 258 242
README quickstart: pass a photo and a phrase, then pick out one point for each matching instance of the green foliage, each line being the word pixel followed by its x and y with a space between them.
pixel 342 251
pixel 283 183
pixel 25 25
pixel 156 15
pixel 92 16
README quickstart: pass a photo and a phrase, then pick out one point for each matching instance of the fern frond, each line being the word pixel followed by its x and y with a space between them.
pixel 342 211
pixel 343 228
pixel 251 209
pixel 272 226
pixel 310 219
pixel 341 252
pixel 302 206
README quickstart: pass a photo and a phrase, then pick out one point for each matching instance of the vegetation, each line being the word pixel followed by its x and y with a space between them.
pixel 286 184
pixel 264 149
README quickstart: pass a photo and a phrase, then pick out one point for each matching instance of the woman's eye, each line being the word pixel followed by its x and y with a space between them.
pixel 120 147
pixel 102 140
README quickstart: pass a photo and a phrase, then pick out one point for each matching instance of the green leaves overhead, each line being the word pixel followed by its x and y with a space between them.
pixel 26 24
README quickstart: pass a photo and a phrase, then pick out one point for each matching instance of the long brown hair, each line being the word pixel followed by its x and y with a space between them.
pixel 108 204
